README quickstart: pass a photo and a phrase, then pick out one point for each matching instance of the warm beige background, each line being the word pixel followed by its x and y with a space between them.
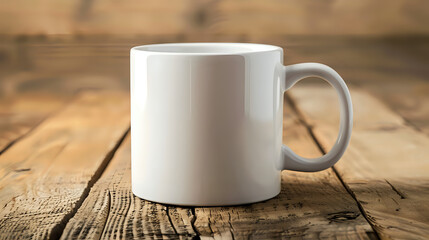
pixel 223 17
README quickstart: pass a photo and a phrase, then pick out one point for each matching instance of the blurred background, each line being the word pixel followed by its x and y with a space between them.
pixel 52 49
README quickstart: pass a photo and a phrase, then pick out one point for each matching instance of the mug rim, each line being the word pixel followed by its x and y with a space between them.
pixel 206 48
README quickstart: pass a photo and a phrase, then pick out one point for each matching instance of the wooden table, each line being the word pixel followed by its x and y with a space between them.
pixel 65 147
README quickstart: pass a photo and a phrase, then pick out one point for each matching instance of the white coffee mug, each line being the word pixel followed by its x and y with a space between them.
pixel 206 122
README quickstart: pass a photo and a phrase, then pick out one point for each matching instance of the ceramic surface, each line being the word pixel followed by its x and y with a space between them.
pixel 206 122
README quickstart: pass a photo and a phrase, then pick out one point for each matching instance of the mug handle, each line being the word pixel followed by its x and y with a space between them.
pixel 291 75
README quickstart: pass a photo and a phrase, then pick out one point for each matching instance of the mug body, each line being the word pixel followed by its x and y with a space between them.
pixel 206 123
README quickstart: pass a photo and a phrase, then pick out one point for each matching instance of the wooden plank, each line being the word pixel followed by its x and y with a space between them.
pixel 21 113
pixel 46 175
pixel 386 166
pixel 410 100
pixel 310 205
pixel 112 211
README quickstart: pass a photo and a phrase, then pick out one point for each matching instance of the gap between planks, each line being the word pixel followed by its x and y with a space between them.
pixel 58 230
pixel 301 118
pixel 46 164
pixel 385 166
pixel 111 205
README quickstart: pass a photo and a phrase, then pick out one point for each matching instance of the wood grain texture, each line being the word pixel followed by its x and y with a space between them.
pixel 47 174
pixel 386 165
pixel 112 211
pixel 394 69
pixel 310 205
